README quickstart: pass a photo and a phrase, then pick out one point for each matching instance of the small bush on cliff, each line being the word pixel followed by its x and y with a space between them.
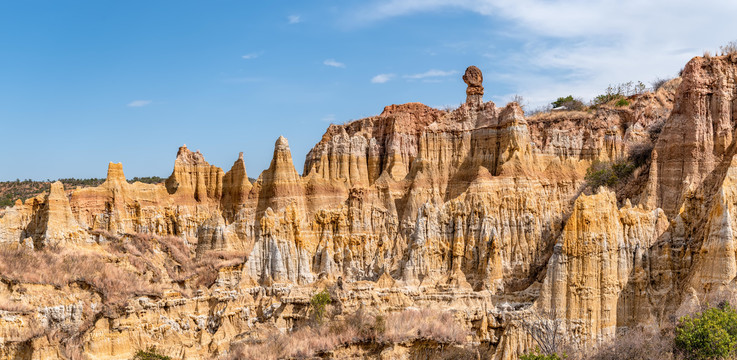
pixel 658 83
pixel 730 48
pixel 619 92
pixel 605 174
pixel 150 354
pixel 319 303
pixel 708 335
pixel 610 174
pixel 537 355
pixel 622 102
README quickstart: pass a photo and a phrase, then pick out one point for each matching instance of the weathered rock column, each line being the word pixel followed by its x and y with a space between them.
pixel 474 92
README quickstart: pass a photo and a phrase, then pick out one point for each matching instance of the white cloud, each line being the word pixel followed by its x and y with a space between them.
pixel 579 47
pixel 333 63
pixel 382 78
pixel 139 103
pixel 294 19
pixel 252 55
pixel 329 118
pixel 430 73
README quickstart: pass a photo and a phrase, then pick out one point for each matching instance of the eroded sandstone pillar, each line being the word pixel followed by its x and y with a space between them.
pixel 474 92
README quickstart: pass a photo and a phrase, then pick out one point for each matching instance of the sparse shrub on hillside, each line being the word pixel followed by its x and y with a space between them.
pixel 600 174
pixel 546 330
pixel 55 266
pixel 537 355
pixel 636 344
pixel 408 325
pixel 622 102
pixel 729 48
pixel 658 83
pixel 150 354
pixel 608 174
pixel 520 101
pixel 619 92
pixel 656 128
pixel 539 110
pixel 711 334
pixel 147 180
pixel 639 153
pixel 318 305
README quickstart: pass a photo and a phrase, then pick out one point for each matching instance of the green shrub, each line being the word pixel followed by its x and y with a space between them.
pixel 619 92
pixel 708 335
pixel 608 173
pixel 150 354
pixel 562 100
pixel 380 324
pixel 319 303
pixel 569 102
pixel 622 102
pixel 537 355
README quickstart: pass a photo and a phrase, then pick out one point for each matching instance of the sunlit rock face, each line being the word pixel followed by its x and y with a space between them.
pixel 480 210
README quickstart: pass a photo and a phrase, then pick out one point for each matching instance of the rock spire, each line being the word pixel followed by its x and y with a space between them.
pixel 475 91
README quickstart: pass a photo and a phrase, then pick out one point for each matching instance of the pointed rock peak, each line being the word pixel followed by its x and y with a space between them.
pixel 282 154
pixel 115 172
pixel 188 157
pixel 282 142
pixel 238 169
pixel 56 188
pixel 512 113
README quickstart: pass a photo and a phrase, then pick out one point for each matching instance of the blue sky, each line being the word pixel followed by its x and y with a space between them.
pixel 83 83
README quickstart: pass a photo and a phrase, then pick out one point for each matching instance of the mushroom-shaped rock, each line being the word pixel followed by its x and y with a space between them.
pixel 475 91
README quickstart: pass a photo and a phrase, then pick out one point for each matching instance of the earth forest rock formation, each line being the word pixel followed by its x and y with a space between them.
pixel 479 211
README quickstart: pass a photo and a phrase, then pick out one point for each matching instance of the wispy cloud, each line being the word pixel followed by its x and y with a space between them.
pixel 329 118
pixel 252 55
pixel 294 19
pixel 139 103
pixel 430 74
pixel 333 63
pixel 382 78
pixel 561 47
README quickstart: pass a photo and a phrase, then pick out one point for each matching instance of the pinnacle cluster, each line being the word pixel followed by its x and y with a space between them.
pixel 479 212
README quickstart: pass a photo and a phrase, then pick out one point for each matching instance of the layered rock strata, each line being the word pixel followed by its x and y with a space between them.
pixel 479 210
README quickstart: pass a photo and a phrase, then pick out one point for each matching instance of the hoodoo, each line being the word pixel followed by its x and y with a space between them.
pixel 475 91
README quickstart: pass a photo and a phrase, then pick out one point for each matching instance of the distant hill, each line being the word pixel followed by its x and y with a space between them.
pixel 10 191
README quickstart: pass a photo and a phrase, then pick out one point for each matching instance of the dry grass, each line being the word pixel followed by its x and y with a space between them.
pixel 635 344
pixel 59 267
pixel 408 325
pixel 179 262
pixel 729 49
pixel 14 306
pixel 425 323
